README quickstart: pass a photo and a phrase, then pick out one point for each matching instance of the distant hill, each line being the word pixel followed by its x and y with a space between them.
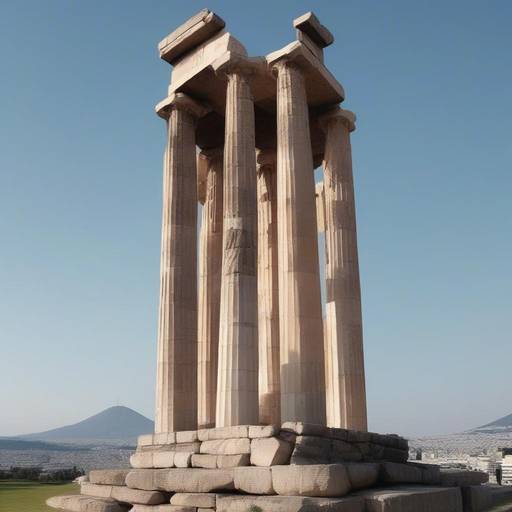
pixel 498 426
pixel 115 425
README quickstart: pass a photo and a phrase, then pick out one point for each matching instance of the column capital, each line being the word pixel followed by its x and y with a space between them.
pixel 266 160
pixel 234 63
pixel 347 117
pixel 181 101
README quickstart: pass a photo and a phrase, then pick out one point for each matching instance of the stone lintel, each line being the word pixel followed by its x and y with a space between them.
pixel 321 86
pixel 232 62
pixel 181 101
pixel 346 116
pixel 310 25
pixel 196 30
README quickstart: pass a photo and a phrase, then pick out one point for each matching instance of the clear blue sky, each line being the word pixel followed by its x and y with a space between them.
pixel 80 200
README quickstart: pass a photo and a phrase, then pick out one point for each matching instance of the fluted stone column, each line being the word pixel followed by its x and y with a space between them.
pixel 237 384
pixel 176 387
pixel 268 290
pixel 210 271
pixel 301 330
pixel 345 380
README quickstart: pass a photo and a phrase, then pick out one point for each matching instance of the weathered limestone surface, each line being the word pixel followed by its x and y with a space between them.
pixel 412 499
pixel 363 475
pixel 476 498
pixel 124 494
pixel 270 451
pixel 181 480
pixel 78 503
pixel 210 269
pixel 300 326
pixel 226 446
pixel 345 380
pixel 462 478
pixel 323 480
pixel 233 503
pixel 108 476
pixel 253 480
pixel 237 385
pixel 176 389
pixel 191 499
pixel 268 291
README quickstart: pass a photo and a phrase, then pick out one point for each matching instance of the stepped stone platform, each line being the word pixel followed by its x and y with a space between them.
pixel 293 467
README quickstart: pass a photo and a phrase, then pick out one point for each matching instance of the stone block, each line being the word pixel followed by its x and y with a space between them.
pixel 97 490
pixel 323 480
pixel 362 474
pixel 141 460
pixel 257 431
pixel 394 455
pixel 161 438
pixel 226 446
pixel 183 459
pixel 310 24
pixel 306 429
pixel 193 499
pixel 254 480
pixel 163 459
pixel 356 436
pixel 233 461
pixel 394 473
pixel 197 29
pixel 79 503
pixel 431 472
pixel 203 460
pixel 339 433
pixel 412 499
pixel 145 440
pixel 186 436
pixel 187 447
pixel 341 451
pixel 108 476
pixel 462 478
pixel 476 498
pixel 162 508
pixel 234 503
pixel 270 451
pixel 311 450
pixel 181 480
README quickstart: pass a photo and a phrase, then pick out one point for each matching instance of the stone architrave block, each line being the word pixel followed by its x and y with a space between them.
pixel 186 436
pixel 412 498
pixel 226 446
pixel 311 450
pixel 254 480
pixel 181 480
pixel 192 499
pixel 270 451
pixel 363 475
pixel 462 478
pixel 395 473
pixel 183 459
pixel 259 431
pixel 238 503
pixel 322 480
pixel 79 503
pixel 108 476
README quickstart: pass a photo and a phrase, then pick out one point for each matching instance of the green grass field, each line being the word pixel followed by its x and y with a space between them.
pixel 16 496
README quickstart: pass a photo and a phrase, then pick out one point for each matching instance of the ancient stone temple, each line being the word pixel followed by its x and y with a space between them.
pixel 260 395
pixel 246 343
